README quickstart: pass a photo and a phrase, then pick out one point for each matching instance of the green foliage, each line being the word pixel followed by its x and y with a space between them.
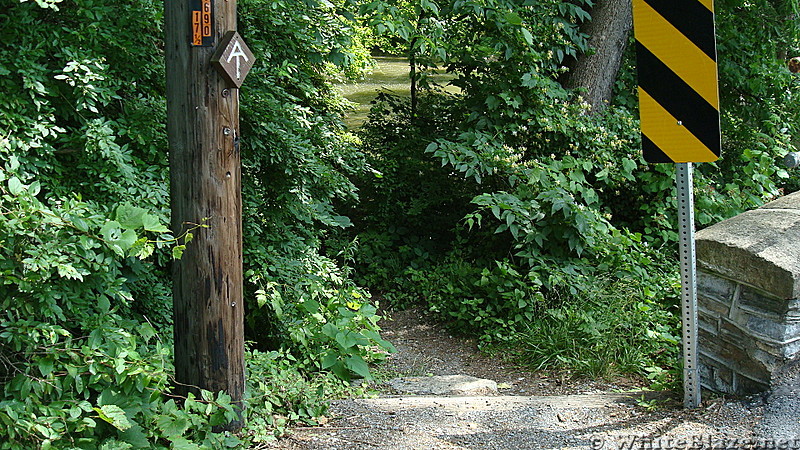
pixel 66 261
pixel 82 204
pixel 75 373
pixel 329 323
pixel 280 394
pixel 298 159
pixel 557 221
pixel 84 249
pixel 759 105
pixel 80 138
pixel 71 391
pixel 623 326
pixel 413 27
pixel 530 255
pixel 491 301
pixel 412 202
pixel 525 214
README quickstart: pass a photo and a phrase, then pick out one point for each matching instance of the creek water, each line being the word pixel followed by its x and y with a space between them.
pixel 389 74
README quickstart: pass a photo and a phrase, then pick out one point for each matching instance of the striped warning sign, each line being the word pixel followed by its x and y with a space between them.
pixel 678 94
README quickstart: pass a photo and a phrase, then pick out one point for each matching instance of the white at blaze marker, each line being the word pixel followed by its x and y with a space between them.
pixel 238 53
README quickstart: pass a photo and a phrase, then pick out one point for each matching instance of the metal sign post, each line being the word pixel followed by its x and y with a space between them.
pixel 679 115
pixel 691 374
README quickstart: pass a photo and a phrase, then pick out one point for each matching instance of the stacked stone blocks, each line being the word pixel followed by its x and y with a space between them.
pixel 748 290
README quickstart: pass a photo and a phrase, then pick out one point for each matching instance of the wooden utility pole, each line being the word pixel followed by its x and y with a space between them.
pixel 203 129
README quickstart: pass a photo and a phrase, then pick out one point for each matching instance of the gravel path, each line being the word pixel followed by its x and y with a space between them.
pixel 536 410
pixel 782 411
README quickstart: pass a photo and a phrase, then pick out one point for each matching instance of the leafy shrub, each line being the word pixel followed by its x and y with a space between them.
pixel 549 202
pixel 75 373
pixel 280 394
pixel 298 161
pixel 330 323
pixel 410 204
pixel 83 198
pixel 623 326
pixel 83 201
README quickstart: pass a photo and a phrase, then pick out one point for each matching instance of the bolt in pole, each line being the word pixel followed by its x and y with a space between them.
pixel 205 187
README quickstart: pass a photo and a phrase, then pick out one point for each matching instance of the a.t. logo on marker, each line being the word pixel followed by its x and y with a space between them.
pixel 233 59
pixel 238 53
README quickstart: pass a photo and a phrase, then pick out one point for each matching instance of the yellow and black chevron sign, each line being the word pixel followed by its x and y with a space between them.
pixel 678 95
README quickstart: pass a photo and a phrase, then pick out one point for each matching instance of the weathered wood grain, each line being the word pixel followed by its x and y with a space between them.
pixel 205 176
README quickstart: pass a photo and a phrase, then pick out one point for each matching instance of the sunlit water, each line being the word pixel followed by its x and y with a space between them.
pixel 390 74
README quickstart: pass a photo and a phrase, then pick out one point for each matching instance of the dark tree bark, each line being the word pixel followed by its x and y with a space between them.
pixel 596 70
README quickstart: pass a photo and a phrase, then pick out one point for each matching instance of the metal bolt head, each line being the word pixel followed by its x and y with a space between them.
pixel 794 64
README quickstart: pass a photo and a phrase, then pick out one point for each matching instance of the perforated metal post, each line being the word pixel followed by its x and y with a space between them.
pixel 691 380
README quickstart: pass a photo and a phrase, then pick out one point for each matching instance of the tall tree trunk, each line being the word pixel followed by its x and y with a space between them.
pixel 596 71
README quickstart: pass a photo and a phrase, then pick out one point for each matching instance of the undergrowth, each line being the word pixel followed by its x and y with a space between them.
pixel 619 327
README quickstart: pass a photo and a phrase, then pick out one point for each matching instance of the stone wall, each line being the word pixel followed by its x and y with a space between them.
pixel 748 287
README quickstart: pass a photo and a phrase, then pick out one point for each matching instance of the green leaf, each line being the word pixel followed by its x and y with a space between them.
pixel 147 331
pixel 386 345
pixel 127 239
pixel 35 188
pixel 151 223
pixel 68 271
pixel 80 224
pixel 311 306
pixel 232 442
pixel 357 365
pixel 114 444
pixel 431 147
pixel 513 18
pixel 177 251
pixel 181 443
pixel 46 366
pixel 346 340
pixel 104 304
pixel 340 371
pixel 111 231
pixel 527 35
pixel 13 163
pixel 173 426
pixel 130 216
pixel 261 298
pixel 330 330
pixel 114 415
pixel 15 187
pixel 329 360
pixel 135 436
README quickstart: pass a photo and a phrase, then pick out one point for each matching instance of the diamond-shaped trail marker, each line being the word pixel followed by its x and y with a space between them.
pixel 233 59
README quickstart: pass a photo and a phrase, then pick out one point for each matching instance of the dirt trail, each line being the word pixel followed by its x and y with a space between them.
pixel 530 410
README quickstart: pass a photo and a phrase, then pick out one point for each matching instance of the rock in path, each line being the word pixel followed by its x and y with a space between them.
pixel 444 385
